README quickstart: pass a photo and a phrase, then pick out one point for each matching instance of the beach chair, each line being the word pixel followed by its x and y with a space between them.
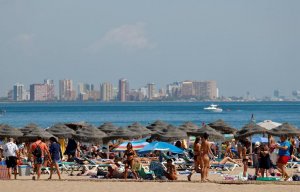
pixel 145 173
pixel 226 167
pixel 293 164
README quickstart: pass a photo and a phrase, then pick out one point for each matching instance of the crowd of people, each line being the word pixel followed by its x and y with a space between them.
pixel 264 157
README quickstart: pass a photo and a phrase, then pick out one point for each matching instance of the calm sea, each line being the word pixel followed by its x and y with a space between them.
pixel 122 114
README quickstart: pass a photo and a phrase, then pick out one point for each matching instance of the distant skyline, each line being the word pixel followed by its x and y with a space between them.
pixel 243 45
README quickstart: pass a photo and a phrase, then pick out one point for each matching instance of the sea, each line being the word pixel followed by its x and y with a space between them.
pixel 236 114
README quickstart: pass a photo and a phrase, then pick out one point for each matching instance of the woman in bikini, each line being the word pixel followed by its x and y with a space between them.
pixel 129 154
pixel 205 151
pixel 245 154
pixel 197 158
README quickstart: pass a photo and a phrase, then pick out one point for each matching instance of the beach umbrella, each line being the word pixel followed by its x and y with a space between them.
pixel 157 126
pixel 122 133
pixel 169 133
pixel 160 146
pixel 136 145
pixel 28 128
pixel 139 129
pixel 90 134
pixel 268 124
pixel 36 132
pixel 8 131
pixel 222 127
pixel 213 134
pixel 285 129
pixel 60 130
pixel 77 125
pixel 260 139
pixel 249 130
pixel 188 127
pixel 107 127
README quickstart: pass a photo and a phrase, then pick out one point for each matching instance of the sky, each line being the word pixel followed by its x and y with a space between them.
pixel 244 45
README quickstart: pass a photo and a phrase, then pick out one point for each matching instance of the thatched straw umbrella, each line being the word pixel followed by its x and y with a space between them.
pixel 222 127
pixel 122 133
pixel 213 134
pixel 188 127
pixel 36 132
pixel 157 126
pixel 107 127
pixel 78 125
pixel 7 131
pixel 60 130
pixel 249 130
pixel 285 129
pixel 170 133
pixel 139 129
pixel 28 128
pixel 90 134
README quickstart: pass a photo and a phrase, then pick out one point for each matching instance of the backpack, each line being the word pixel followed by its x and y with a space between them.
pixel 37 152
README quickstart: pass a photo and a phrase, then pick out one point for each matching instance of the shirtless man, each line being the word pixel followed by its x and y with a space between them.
pixel 205 151
pixel 197 158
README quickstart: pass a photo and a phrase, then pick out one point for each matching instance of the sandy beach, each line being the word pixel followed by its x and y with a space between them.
pixel 85 183
pixel 80 186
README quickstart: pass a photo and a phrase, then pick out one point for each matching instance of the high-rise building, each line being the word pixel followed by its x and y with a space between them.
pixel 151 91
pixel 276 93
pixel 187 89
pixel 19 92
pixel 173 89
pixel 38 92
pixel 123 90
pixel 205 89
pixel 50 89
pixel 66 92
pixel 106 90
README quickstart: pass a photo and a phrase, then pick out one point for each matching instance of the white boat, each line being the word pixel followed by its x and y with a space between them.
pixel 213 108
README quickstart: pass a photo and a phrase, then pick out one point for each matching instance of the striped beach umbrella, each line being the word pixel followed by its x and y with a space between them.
pixel 136 145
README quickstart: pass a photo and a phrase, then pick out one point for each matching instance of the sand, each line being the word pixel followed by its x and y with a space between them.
pixel 81 186
pixel 85 183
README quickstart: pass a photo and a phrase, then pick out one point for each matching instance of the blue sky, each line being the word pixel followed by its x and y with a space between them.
pixel 244 45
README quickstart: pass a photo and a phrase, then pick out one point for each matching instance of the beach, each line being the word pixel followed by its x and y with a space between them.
pixel 85 183
pixel 107 186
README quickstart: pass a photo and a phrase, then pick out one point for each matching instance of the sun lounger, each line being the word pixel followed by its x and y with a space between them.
pixel 226 167
pixel 293 164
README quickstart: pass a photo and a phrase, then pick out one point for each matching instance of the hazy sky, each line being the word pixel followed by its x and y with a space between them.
pixel 244 45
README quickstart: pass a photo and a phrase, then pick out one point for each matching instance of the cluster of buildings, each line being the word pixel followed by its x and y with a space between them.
pixel 195 90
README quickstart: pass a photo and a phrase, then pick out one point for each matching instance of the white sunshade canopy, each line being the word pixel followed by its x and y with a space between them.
pixel 268 124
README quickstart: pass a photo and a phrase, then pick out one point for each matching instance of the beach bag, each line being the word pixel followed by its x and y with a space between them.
pixel 37 152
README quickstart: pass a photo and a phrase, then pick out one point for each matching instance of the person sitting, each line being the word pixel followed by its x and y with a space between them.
pixel 171 173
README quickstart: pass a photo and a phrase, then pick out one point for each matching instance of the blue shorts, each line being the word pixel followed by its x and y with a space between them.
pixel 39 160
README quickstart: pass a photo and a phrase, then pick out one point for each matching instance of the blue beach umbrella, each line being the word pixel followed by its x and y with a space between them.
pixel 260 139
pixel 160 146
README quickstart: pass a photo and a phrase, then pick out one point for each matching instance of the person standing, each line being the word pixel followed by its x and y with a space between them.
pixel 56 156
pixel 197 157
pixel 129 154
pixel 284 156
pixel 11 154
pixel 38 149
pixel 264 160
pixel 205 152
pixel 245 154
